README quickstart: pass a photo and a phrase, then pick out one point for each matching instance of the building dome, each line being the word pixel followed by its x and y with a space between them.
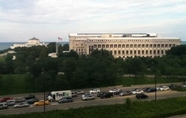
pixel 33 41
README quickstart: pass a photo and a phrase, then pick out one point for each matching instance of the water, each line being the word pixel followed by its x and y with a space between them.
pixel 6 45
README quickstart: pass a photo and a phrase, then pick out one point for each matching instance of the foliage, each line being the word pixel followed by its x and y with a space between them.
pixel 99 68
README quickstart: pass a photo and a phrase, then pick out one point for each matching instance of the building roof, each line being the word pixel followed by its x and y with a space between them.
pixel 33 38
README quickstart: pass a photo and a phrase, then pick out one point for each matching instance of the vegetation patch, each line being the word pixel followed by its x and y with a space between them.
pixel 131 109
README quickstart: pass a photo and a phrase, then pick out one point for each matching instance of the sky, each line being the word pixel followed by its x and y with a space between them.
pixel 20 20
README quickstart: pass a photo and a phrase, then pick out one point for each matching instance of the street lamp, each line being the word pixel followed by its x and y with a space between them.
pixel 155 85
pixel 44 88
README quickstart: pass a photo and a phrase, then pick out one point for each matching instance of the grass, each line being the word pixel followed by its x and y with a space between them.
pixel 135 109
pixel 135 81
pixel 22 85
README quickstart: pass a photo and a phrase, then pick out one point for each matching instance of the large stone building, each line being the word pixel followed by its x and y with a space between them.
pixel 123 44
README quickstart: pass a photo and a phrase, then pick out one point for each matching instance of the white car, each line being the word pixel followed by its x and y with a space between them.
pixel 163 88
pixel 95 90
pixel 22 104
pixel 137 91
pixel 80 92
pixel 114 90
pixel 88 97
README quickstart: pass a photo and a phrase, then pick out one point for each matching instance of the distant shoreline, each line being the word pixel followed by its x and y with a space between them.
pixel 6 45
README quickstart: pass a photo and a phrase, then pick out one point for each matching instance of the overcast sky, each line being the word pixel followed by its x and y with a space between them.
pixel 46 20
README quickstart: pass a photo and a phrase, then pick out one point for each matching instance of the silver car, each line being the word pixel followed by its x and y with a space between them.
pixel 10 102
pixel 22 104
pixel 88 97
pixel 3 106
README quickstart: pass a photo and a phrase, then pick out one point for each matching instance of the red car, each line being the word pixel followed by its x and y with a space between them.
pixel 5 99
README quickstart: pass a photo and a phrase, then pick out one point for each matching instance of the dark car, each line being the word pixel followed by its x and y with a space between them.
pixel 107 95
pixel 32 100
pixel 151 90
pixel 30 97
pixel 65 100
pixel 141 96
pixel 145 89
pixel 100 94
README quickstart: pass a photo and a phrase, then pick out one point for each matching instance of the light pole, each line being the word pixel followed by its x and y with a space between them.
pixel 44 89
pixel 155 85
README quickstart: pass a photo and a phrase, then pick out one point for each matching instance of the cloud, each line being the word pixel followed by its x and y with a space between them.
pixel 63 16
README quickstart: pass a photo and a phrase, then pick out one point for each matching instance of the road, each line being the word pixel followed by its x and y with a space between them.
pixel 79 103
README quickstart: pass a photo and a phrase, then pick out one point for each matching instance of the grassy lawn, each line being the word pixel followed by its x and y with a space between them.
pixel 18 83
pixel 135 81
pixel 131 109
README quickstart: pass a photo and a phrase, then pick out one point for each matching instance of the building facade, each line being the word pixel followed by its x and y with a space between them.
pixel 123 44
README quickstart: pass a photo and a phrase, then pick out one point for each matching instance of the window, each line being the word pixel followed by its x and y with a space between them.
pixel 119 46
pixel 138 51
pixel 111 46
pixel 115 46
pixel 139 45
pixel 99 46
pixel 127 45
pixel 95 46
pixel 135 45
pixel 119 52
pixel 123 52
pixel 154 51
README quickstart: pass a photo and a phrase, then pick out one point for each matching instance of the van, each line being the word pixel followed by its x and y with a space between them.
pixel 74 94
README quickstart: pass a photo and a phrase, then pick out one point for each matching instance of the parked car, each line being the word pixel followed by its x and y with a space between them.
pixel 5 99
pixel 10 102
pixel 21 104
pixel 137 91
pixel 141 96
pixel 95 90
pixel 87 97
pixel 123 93
pixel 117 92
pixel 114 90
pixel 30 96
pixel 80 92
pixel 107 95
pixel 151 90
pixel 19 99
pixel 32 101
pixel 41 103
pixel 145 89
pixel 163 88
pixel 100 93
pixel 65 100
pixel 3 106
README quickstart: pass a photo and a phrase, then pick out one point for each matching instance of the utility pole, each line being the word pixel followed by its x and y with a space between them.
pixel 44 90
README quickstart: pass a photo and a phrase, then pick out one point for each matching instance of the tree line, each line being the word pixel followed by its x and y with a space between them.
pixel 100 68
